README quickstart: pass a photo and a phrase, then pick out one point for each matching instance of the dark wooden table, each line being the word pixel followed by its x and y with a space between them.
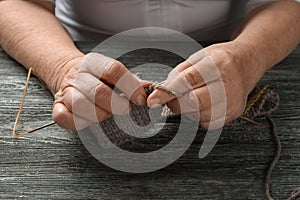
pixel 54 164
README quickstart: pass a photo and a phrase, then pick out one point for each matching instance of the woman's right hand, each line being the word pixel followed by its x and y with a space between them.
pixel 85 93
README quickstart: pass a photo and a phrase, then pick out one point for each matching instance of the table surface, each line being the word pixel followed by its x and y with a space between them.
pixel 54 164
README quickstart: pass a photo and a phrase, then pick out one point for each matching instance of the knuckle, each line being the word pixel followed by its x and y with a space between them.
pixel 192 78
pixel 77 102
pixel 61 97
pixel 101 91
pixel 227 56
pixel 227 59
pixel 58 96
pixel 115 70
pixel 90 58
pixel 223 59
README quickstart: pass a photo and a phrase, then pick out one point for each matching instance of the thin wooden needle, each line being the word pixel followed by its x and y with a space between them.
pixel 35 129
pixel 22 103
pixel 252 121
pixel 20 111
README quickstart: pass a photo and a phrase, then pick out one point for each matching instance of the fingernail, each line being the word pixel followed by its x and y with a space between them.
pixel 154 103
pixel 141 100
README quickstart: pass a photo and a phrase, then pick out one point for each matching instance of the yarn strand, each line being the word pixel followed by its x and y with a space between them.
pixel 275 159
pixel 294 194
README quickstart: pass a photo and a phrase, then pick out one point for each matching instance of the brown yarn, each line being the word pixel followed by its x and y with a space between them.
pixel 275 159
pixel 295 193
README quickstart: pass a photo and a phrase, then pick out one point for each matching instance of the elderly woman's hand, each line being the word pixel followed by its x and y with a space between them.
pixel 85 93
pixel 228 64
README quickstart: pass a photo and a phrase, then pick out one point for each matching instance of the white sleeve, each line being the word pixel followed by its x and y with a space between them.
pixel 252 4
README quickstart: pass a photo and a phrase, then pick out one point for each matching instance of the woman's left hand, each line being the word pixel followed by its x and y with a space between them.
pixel 229 70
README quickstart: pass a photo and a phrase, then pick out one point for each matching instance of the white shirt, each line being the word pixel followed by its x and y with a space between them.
pixel 88 20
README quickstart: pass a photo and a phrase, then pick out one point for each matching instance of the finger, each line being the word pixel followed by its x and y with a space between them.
pixel 118 75
pixel 179 68
pixel 206 124
pixel 101 94
pixel 209 100
pixel 198 75
pixel 111 71
pixel 184 82
pixel 193 101
pixel 95 64
pixel 182 66
pixel 193 59
pixel 205 115
pixel 188 103
pixel 78 104
pixel 65 119
pixel 158 97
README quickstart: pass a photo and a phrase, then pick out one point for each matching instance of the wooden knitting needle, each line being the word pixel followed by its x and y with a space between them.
pixel 20 111
pixel 33 130
pixel 252 121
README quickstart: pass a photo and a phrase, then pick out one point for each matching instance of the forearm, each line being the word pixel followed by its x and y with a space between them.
pixel 35 38
pixel 269 34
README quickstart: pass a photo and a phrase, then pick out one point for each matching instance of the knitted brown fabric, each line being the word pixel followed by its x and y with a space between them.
pixel 260 102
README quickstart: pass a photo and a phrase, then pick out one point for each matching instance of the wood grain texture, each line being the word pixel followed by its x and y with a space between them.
pixel 54 164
